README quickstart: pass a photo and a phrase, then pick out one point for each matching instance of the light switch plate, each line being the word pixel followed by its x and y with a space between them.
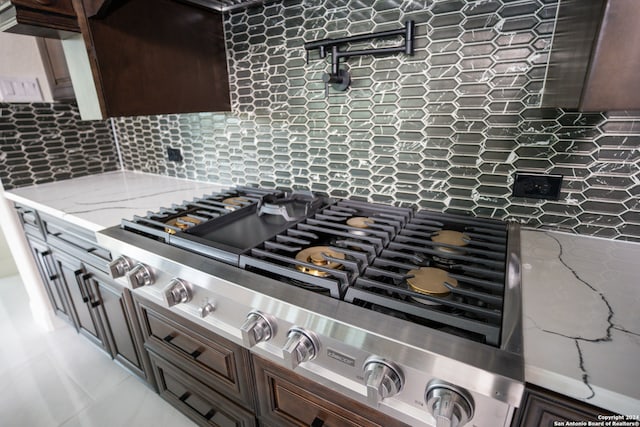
pixel 20 90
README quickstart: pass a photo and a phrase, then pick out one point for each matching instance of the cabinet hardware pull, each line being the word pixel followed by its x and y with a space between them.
pixel 185 396
pixel 212 412
pixel 168 338
pixel 195 354
pixel 317 422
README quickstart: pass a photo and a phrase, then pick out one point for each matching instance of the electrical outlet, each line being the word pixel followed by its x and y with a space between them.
pixel 174 155
pixel 537 186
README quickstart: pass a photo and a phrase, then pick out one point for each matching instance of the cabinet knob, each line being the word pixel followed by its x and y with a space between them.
pixel 119 267
pixel 382 378
pixel 139 276
pixel 450 406
pixel 176 292
pixel 301 346
pixel 258 327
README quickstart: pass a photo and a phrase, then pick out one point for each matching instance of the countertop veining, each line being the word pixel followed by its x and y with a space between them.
pixel 99 201
pixel 581 308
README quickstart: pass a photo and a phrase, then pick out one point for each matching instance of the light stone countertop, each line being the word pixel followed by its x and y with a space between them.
pixel 100 201
pixel 581 309
pixel 581 295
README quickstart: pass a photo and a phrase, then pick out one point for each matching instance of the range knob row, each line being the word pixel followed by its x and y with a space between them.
pixel 449 405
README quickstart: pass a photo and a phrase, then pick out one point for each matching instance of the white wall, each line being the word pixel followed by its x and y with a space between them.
pixel 20 57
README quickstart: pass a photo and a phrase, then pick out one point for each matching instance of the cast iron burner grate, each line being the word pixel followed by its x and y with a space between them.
pixel 352 232
pixel 474 307
pixel 198 211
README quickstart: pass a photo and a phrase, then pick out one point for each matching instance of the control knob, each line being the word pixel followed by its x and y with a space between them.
pixel 119 267
pixel 382 378
pixel 258 327
pixel 449 405
pixel 176 292
pixel 301 346
pixel 139 276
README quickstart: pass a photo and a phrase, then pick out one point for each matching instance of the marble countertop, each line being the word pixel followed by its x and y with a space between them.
pixel 100 201
pixel 581 308
pixel 581 295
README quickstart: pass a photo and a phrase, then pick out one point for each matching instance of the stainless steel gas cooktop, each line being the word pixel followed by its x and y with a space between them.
pixel 400 308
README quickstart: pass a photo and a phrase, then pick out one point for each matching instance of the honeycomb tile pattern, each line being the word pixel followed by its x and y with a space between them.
pixel 446 128
pixel 42 142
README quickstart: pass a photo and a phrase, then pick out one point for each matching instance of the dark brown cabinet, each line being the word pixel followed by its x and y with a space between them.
pixel 82 301
pixel 155 57
pixel 73 269
pixel 199 402
pixel 542 408
pixel 43 18
pixel 119 324
pixel 287 399
pixel 217 363
pixel 43 258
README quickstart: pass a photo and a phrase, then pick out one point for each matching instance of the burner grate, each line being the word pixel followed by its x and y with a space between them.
pixel 474 307
pixel 158 224
pixel 359 245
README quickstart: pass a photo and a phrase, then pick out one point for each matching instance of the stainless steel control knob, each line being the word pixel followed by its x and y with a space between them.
pixel 258 327
pixel 206 309
pixel 139 276
pixel 119 267
pixel 301 346
pixel 176 292
pixel 382 378
pixel 451 406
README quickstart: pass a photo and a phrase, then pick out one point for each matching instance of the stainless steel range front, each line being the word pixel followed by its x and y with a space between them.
pixel 415 313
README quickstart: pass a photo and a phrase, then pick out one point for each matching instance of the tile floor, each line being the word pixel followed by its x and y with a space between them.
pixel 60 379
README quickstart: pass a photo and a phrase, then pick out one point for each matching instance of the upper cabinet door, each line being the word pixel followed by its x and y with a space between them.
pixel 155 57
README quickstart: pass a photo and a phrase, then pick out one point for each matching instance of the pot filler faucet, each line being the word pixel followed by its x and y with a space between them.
pixel 340 78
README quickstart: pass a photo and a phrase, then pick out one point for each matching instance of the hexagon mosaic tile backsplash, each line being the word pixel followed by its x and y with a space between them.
pixel 445 128
pixel 43 142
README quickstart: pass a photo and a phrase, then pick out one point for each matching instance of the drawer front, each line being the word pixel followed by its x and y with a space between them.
pixel 76 241
pixel 63 7
pixel 217 362
pixel 200 403
pixel 288 399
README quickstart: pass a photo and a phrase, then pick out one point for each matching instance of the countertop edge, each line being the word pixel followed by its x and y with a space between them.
pixel 567 386
pixel 90 226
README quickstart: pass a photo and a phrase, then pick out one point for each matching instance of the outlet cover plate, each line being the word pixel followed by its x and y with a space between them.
pixel 537 186
pixel 174 155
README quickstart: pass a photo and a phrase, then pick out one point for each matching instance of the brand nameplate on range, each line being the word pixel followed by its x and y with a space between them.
pixel 347 360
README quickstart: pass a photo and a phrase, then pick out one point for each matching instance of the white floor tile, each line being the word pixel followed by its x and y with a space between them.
pixel 130 404
pixel 39 394
pixel 60 378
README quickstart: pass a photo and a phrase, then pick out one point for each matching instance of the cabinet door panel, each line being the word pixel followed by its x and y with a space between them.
pixel 50 277
pixel 81 298
pixel 116 321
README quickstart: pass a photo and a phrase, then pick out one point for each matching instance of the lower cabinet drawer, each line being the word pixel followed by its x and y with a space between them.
pixel 218 363
pixel 288 399
pixel 197 401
